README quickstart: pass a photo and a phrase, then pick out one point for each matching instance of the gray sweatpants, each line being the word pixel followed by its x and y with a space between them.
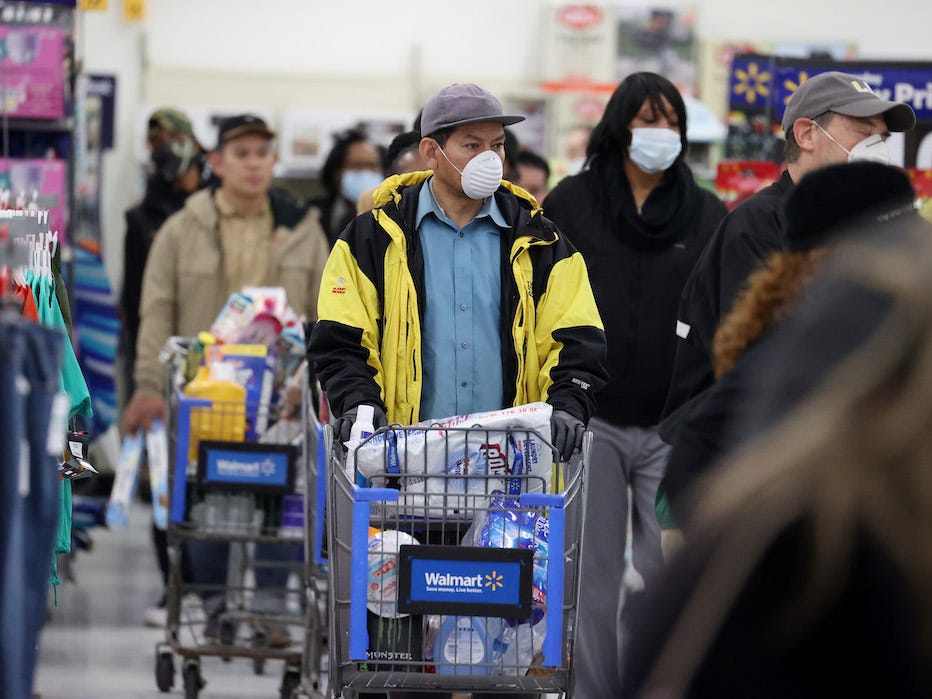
pixel 623 460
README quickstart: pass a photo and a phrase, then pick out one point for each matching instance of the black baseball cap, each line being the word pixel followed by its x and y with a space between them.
pixel 844 94
pixel 235 126
pixel 461 104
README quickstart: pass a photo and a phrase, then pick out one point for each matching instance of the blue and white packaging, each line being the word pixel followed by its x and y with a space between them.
pixel 462 646
pixel 124 484
pixel 157 453
pixel 507 525
pixel 508 442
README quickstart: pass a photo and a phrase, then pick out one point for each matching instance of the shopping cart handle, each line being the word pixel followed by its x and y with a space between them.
pixel 196 402
pixel 376 494
pixel 542 499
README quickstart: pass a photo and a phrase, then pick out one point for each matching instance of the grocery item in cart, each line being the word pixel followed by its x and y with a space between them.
pixel 226 419
pixel 506 524
pixel 382 584
pixel 498 444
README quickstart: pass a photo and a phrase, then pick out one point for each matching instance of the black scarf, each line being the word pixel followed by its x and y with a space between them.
pixel 666 215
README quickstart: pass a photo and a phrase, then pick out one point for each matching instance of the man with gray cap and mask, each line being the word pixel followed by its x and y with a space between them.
pixel 831 118
pixel 455 294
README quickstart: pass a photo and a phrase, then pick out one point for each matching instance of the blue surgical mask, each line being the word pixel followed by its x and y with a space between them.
pixel 654 149
pixel 354 182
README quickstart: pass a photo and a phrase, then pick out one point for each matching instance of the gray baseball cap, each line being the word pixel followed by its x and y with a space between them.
pixel 462 104
pixel 844 94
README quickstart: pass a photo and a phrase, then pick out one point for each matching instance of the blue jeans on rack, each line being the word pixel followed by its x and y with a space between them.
pixel 30 371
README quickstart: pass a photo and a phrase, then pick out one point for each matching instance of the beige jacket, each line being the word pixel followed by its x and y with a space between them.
pixel 183 288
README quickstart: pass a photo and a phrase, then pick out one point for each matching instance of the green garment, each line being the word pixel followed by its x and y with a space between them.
pixel 50 316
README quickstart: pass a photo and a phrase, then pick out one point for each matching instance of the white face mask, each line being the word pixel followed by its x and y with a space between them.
pixel 482 174
pixel 872 149
pixel 654 149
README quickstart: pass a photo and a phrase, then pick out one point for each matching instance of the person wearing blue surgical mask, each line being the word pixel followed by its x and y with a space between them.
pixel 354 165
pixel 640 221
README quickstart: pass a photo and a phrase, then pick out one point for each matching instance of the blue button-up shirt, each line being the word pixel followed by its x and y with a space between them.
pixel 461 340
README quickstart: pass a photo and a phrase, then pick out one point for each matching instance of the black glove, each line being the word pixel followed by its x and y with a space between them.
pixel 343 424
pixel 566 433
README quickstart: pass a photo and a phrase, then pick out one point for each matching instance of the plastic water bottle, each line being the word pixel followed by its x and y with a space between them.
pixel 361 429
pixel 293 589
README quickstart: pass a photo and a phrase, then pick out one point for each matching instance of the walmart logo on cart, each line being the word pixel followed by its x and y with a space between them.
pixel 446 582
pixel 245 469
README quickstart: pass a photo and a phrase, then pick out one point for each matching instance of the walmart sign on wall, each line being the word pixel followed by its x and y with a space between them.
pixel 763 84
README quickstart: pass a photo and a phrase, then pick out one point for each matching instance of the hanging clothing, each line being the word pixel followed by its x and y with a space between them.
pixel 25 296
pixel 30 361
pixel 50 315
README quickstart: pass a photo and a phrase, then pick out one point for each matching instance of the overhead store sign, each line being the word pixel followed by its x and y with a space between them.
pixel 765 83
pixel 762 85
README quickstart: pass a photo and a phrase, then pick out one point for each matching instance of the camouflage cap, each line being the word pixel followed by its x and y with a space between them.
pixel 172 121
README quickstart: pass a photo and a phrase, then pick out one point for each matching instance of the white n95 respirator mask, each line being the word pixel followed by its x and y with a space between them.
pixel 481 176
pixel 873 149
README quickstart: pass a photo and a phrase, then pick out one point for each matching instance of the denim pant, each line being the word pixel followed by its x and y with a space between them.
pixel 30 364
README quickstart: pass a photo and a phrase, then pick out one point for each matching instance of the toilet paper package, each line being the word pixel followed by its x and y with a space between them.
pixel 440 467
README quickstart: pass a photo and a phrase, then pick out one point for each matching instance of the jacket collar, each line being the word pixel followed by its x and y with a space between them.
pixel 518 207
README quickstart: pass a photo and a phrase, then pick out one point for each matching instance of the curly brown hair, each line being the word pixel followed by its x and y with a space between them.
pixel 763 302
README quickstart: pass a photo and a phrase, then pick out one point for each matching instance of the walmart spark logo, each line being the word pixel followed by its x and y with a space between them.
pixel 752 83
pixel 794 85
pixel 494 581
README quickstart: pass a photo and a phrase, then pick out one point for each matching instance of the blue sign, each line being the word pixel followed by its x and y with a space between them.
pixel 253 467
pixel 465 580
pixel 765 83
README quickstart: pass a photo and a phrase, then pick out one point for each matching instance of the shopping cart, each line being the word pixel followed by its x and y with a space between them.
pixel 235 538
pixel 314 664
pixel 453 579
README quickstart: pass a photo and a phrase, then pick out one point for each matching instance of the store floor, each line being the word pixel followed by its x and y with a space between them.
pixel 95 645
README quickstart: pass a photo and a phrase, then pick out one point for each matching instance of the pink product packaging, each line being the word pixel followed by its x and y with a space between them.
pixel 32 71
pixel 43 183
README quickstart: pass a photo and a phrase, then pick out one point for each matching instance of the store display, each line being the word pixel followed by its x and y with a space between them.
pixel 41 183
pixel 32 73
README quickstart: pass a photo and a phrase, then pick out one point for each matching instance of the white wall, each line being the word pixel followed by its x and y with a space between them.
pixel 110 46
pixel 370 53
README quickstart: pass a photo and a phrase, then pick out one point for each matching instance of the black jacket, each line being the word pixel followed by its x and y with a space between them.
pixel 864 641
pixel 143 221
pixel 637 283
pixel 746 238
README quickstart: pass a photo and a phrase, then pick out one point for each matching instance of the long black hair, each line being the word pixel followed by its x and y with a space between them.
pixel 612 135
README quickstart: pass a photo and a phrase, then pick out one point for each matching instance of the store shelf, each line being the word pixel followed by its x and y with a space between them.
pixel 45 125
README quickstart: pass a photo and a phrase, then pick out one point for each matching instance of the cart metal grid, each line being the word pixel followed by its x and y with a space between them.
pixel 257 611
pixel 441 509
pixel 314 661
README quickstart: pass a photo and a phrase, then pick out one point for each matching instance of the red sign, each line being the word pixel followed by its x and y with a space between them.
pixel 580 16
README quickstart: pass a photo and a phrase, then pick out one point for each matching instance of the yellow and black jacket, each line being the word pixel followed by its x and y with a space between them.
pixel 366 345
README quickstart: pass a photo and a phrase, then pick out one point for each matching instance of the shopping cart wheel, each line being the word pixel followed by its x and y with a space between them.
pixel 259 640
pixel 193 682
pixel 164 671
pixel 291 680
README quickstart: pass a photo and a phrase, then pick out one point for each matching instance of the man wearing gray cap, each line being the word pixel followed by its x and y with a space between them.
pixel 833 117
pixel 454 294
